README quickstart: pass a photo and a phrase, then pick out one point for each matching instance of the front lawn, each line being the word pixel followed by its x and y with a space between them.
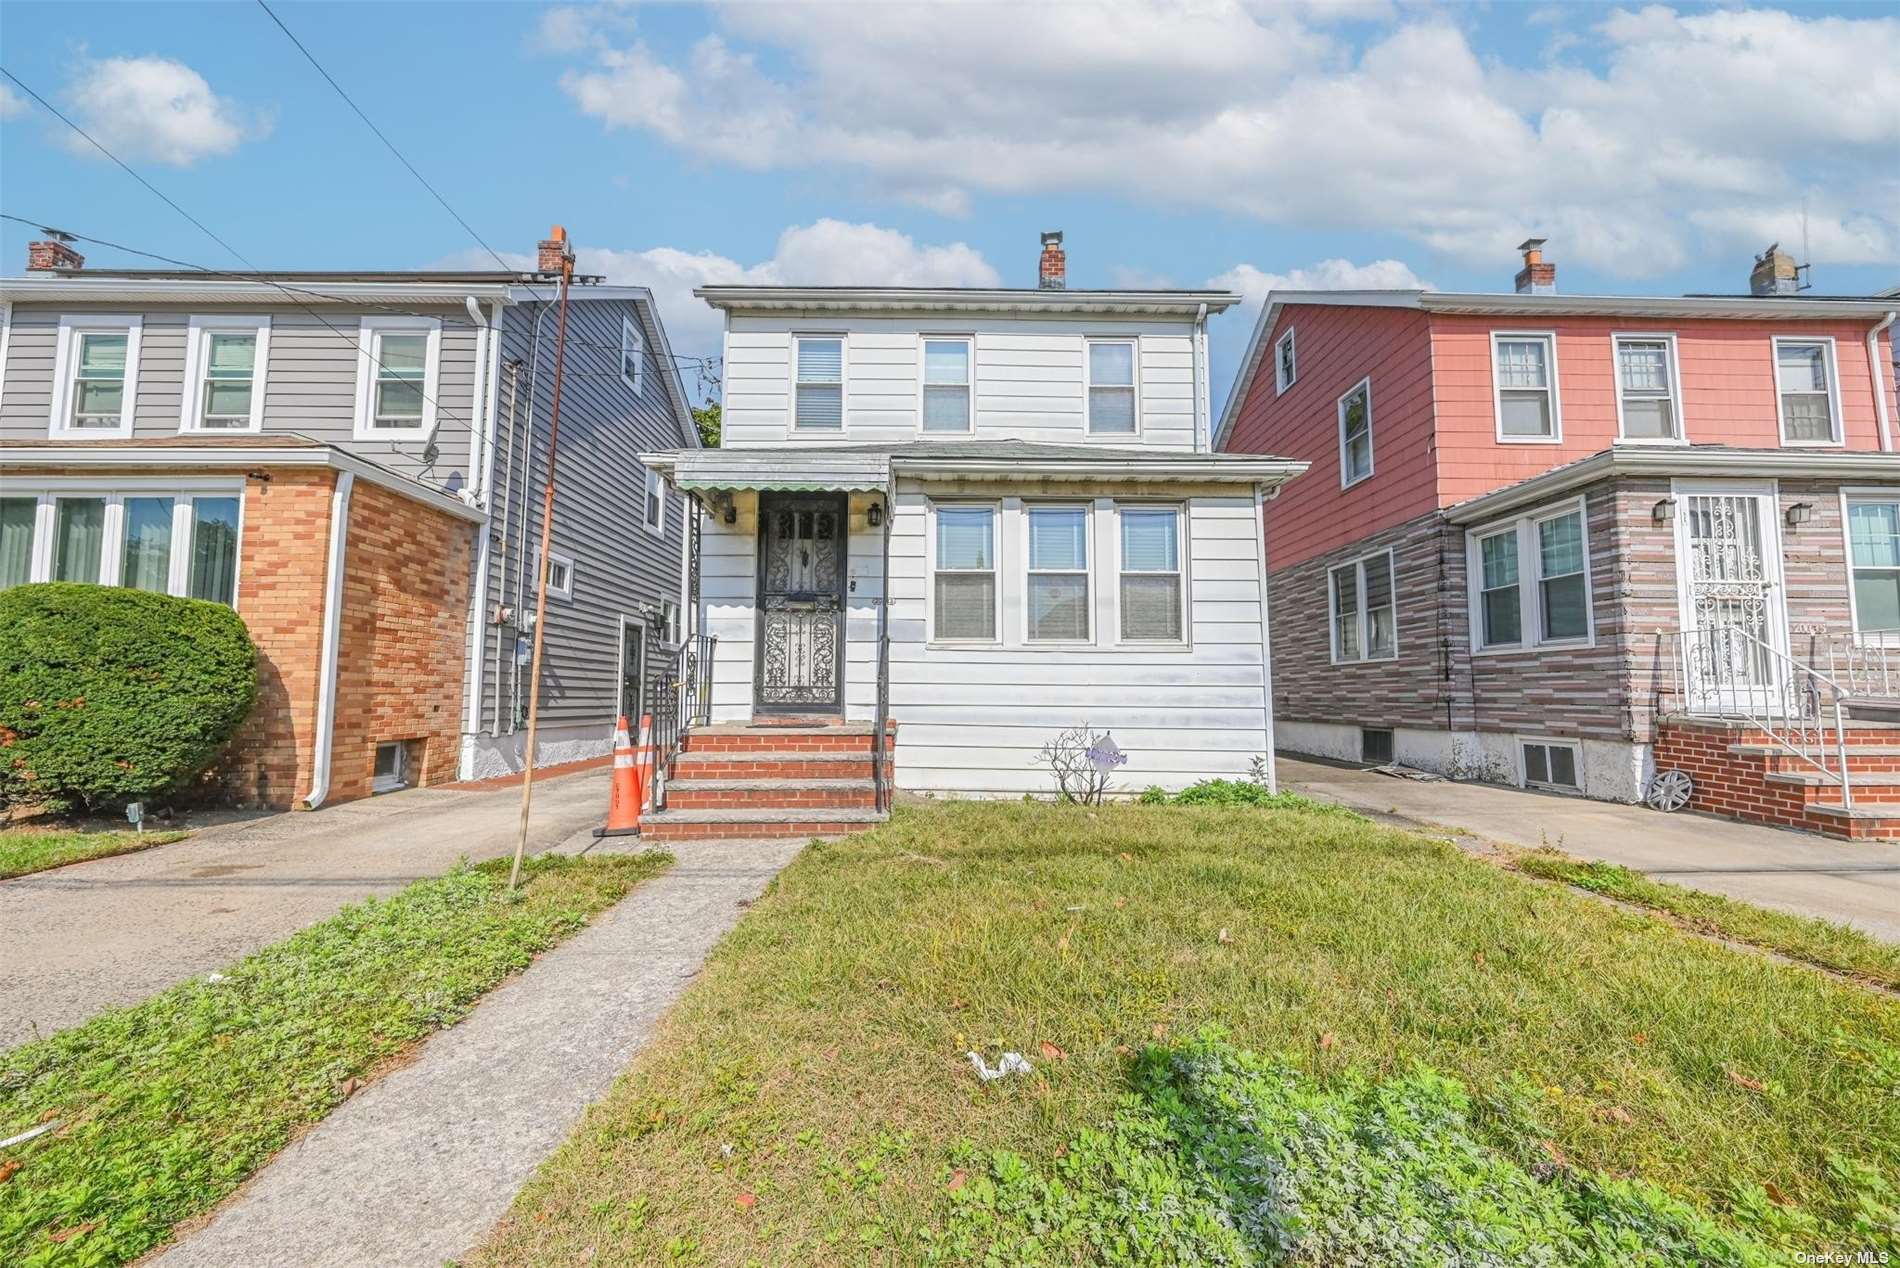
pixel 26 850
pixel 162 1109
pixel 810 1100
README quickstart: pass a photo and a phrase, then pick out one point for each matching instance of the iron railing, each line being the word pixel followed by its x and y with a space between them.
pixel 682 700
pixel 1866 662
pixel 880 753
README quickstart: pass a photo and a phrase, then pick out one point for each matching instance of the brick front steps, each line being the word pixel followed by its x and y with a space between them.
pixel 1740 773
pixel 771 780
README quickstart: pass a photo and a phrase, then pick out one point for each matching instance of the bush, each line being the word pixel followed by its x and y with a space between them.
pixel 1237 792
pixel 110 695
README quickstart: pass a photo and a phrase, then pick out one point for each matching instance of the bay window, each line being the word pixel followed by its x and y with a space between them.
pixel 1524 377
pixel 96 373
pixel 1873 546
pixel 1530 582
pixel 174 537
pixel 1646 396
pixel 1058 582
pixel 1363 613
pixel 1151 591
pixel 964 591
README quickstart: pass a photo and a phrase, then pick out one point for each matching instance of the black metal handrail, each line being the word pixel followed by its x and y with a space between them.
pixel 682 701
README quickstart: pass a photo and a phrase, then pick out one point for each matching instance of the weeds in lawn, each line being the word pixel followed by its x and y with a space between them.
pixel 24 851
pixel 1240 792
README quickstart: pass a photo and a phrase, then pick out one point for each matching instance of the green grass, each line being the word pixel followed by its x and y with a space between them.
pixel 27 850
pixel 809 1101
pixel 1830 945
pixel 164 1108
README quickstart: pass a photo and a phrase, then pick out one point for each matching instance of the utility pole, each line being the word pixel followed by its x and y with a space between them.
pixel 557 245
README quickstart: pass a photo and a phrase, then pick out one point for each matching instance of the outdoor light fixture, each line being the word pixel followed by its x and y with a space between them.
pixel 874 514
pixel 1799 514
pixel 730 514
pixel 1664 512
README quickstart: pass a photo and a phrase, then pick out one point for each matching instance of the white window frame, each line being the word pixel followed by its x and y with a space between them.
pixel 1086 572
pixel 198 334
pixel 368 363
pixel 1362 615
pixel 66 365
pixel 1550 742
pixel 1134 387
pixel 1529 579
pixel 1283 380
pixel 653 491
pixel 633 341
pixel 844 384
pixel 1849 496
pixel 1617 340
pixel 1549 339
pixel 1181 551
pixel 49 490
pixel 997 557
pixel 556 562
pixel 1833 392
pixel 969 381
pixel 669 622
pixel 1346 479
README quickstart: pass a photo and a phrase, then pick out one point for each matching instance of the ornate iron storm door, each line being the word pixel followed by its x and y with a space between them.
pixel 1728 554
pixel 802 555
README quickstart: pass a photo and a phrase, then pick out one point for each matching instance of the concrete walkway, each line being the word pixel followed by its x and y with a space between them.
pixel 1855 883
pixel 417 1168
pixel 84 938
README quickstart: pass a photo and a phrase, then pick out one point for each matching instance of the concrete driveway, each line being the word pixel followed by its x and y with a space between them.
pixel 88 937
pixel 1855 883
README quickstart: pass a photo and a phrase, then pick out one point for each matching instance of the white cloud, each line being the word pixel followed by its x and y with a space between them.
pixel 1252 284
pixel 12 104
pixel 158 109
pixel 1349 114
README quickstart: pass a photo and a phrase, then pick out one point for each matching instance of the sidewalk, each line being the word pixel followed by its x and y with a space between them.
pixel 1855 883
pixel 416 1168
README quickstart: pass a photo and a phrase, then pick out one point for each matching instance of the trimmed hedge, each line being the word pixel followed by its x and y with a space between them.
pixel 110 695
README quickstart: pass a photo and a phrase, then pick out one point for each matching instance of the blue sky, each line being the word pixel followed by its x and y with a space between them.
pixel 1330 142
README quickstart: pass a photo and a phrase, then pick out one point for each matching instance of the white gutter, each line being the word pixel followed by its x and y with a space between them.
pixel 1874 360
pixel 1200 403
pixel 216 290
pixel 332 636
pixel 477 437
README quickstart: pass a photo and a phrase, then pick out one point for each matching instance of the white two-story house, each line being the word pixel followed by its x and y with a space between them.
pixel 966 520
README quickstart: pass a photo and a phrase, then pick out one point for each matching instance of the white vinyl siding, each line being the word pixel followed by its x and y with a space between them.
pixel 1873 549
pixel 96 376
pixel 227 360
pixel 1807 389
pixel 946 400
pixel 1524 386
pixel 1355 434
pixel 1529 581
pixel 178 537
pixel 1648 391
pixel 964 584
pixel 1057 592
pixel 819 389
pixel 1364 616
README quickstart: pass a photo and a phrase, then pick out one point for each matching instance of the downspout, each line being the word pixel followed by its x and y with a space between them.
pixel 1200 404
pixel 477 438
pixel 332 635
pixel 1880 380
pixel 481 464
pixel 1261 496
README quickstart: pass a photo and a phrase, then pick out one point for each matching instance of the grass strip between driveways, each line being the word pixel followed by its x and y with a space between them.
pixel 810 1101
pixel 27 850
pixel 1820 942
pixel 164 1108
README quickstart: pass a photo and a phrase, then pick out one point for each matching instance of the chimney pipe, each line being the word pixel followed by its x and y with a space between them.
pixel 1775 273
pixel 555 251
pixel 53 253
pixel 1536 277
pixel 1053 275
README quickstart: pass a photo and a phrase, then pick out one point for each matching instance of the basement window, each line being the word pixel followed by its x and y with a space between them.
pixel 392 767
pixel 1551 765
pixel 1375 745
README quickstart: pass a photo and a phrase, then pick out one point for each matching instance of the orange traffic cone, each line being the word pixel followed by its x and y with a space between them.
pixel 628 796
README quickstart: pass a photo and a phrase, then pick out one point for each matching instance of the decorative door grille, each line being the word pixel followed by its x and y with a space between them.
pixel 1730 598
pixel 801 603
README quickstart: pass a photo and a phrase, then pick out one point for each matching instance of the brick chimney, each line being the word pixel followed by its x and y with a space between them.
pixel 1536 277
pixel 1775 273
pixel 52 253
pixel 1054 272
pixel 556 251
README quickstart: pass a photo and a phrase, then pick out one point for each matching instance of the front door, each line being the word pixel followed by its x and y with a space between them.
pixel 801 603
pixel 633 672
pixel 1728 560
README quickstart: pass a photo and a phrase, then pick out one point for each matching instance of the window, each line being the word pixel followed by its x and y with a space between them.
pixel 169 538
pixel 392 767
pixel 1563 591
pixel 1502 622
pixel 1524 369
pixel 1111 387
pixel 1355 434
pixel 669 621
pixel 1151 590
pixel 225 363
pixel 1873 544
pixel 1375 745
pixel 1364 625
pixel 1545 558
pixel 1550 764
pixel 396 377
pixel 95 389
pixel 1058 589
pixel 964 595
pixel 946 385
pixel 1805 381
pixel 560 574
pixel 819 403
pixel 1285 367
pixel 633 355
pixel 654 511
pixel 1646 396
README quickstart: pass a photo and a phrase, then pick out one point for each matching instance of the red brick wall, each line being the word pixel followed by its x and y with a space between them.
pixel 1728 784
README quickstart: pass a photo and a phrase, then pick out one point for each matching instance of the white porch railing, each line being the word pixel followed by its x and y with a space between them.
pixel 1724 671
pixel 1867 663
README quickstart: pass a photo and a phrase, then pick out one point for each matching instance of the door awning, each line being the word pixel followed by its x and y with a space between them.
pixel 820 472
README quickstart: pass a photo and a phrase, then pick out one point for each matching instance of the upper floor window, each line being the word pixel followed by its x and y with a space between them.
pixel 1058 574
pixel 633 355
pixel 818 398
pixel 1111 387
pixel 655 509
pixel 1532 581
pixel 225 362
pixel 1355 434
pixel 95 387
pixel 1524 370
pixel 1152 591
pixel 1805 382
pixel 963 591
pixel 1646 395
pixel 1285 367
pixel 947 385
pixel 560 574
pixel 1364 625
pixel 1873 545
pixel 396 376
pixel 178 537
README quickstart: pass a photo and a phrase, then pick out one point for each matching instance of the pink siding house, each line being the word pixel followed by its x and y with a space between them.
pixel 1616 546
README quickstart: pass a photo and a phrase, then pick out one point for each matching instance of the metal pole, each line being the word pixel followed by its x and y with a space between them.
pixel 541 570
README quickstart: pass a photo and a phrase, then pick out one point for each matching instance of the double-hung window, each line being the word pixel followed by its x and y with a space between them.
pixel 398 366
pixel 1286 365
pixel 818 390
pixel 633 355
pixel 1806 385
pixel 654 511
pixel 964 595
pixel 947 385
pixel 95 388
pixel 1151 593
pixel 1873 546
pixel 1530 582
pixel 1058 586
pixel 225 362
pixel 1364 625
pixel 1524 368
pixel 1355 434
pixel 176 538
pixel 1111 388
pixel 1646 395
